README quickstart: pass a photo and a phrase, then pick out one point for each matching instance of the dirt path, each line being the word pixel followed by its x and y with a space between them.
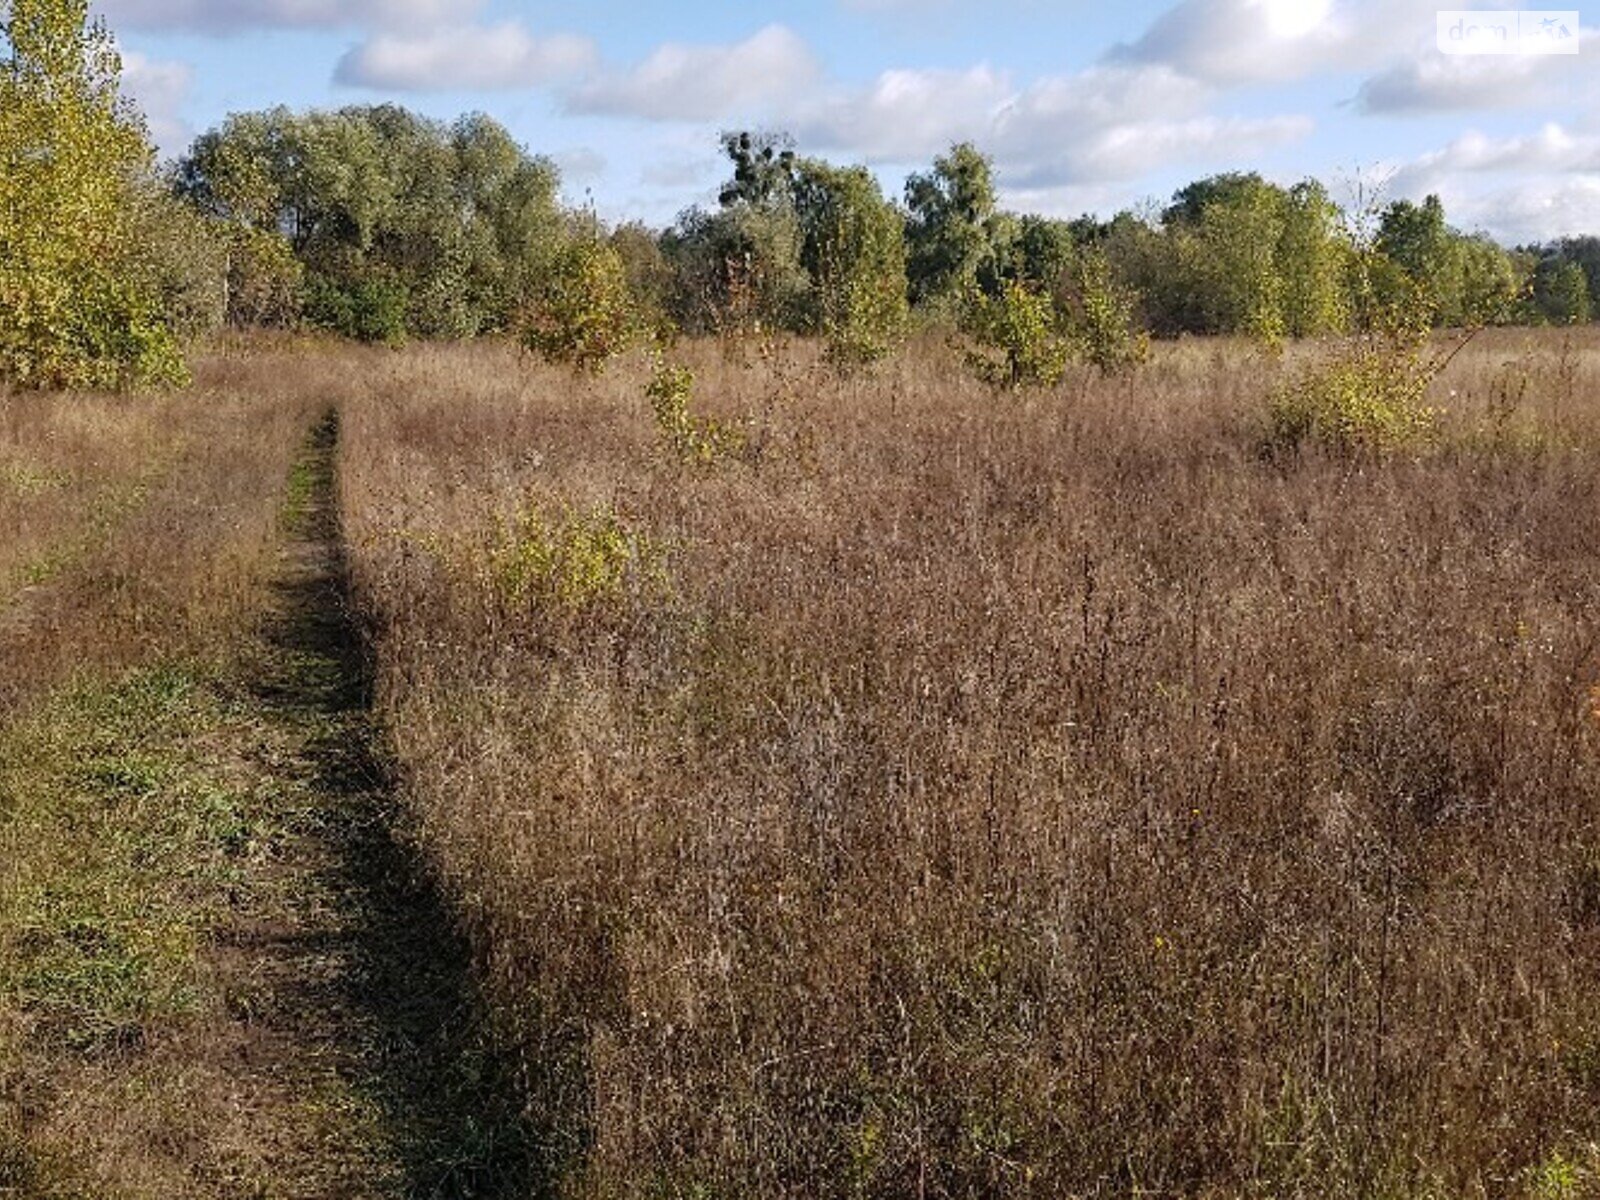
pixel 220 974
pixel 352 984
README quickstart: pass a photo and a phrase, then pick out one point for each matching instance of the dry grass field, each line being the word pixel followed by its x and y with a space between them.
pixel 929 793
pixel 961 795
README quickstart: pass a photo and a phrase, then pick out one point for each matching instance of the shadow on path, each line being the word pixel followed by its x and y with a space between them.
pixel 402 991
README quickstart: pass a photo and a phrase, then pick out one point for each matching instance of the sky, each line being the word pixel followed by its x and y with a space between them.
pixel 1084 107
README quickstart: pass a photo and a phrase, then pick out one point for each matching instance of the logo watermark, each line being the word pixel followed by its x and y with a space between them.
pixel 1482 31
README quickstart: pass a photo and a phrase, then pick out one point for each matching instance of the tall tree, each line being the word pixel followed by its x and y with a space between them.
pixel 400 223
pixel 1560 291
pixel 1313 257
pixel 853 247
pixel 78 305
pixel 950 231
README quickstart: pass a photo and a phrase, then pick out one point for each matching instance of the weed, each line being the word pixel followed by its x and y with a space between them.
pixel 577 561
pixel 688 438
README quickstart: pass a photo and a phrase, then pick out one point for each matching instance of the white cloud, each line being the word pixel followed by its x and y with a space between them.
pixel 1523 188
pixel 159 89
pixel 231 16
pixel 468 58
pixel 1124 152
pixel 1255 41
pixel 903 114
pixel 679 82
pixel 1435 82
pixel 1108 123
pixel 1531 209
pixel 1552 149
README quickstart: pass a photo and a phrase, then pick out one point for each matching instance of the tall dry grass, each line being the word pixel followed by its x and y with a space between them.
pixel 960 795
pixel 137 527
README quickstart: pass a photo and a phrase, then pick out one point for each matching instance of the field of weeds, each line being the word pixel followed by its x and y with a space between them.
pixel 881 786
pixel 434 773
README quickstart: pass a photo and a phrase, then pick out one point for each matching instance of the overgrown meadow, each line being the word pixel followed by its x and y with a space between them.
pixel 842 696
pixel 936 793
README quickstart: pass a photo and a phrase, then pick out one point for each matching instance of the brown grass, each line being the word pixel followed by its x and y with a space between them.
pixel 133 528
pixel 959 795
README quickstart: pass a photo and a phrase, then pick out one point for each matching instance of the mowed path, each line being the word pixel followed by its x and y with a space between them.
pixel 321 1039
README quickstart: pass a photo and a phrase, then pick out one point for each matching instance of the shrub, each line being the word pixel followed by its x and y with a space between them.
pixel 264 279
pixel 1015 340
pixel 575 562
pixel 582 315
pixel 1104 320
pixel 1370 393
pixel 1367 397
pixel 690 439
pixel 370 310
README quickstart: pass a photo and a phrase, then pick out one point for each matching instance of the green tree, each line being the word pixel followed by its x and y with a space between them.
pixel 1233 260
pixel 1190 203
pixel 1312 260
pixel 853 246
pixel 580 314
pixel 1585 251
pixel 1016 342
pixel 1560 291
pixel 739 267
pixel 950 231
pixel 80 304
pixel 763 169
pixel 378 204
pixel 1103 317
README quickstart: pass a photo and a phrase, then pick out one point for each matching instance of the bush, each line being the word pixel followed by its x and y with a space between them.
pixel 1367 397
pixel 571 563
pixel 265 279
pixel 690 439
pixel 582 315
pixel 372 310
pixel 1016 343
pixel 1104 320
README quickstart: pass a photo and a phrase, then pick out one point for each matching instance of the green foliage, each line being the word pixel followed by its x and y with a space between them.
pixel 1104 318
pixel 763 168
pixel 81 302
pixel 1560 292
pixel 650 277
pixel 1369 393
pixel 1312 259
pixel 1234 253
pixel 854 249
pixel 182 262
pixel 738 269
pixel 373 199
pixel 573 562
pixel 370 310
pixel 1042 251
pixel 950 231
pixel 688 438
pixel 264 279
pixel 1368 398
pixel 1016 344
pixel 581 314
pixel 1466 281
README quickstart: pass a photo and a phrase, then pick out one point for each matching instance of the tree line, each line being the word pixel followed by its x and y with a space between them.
pixel 376 223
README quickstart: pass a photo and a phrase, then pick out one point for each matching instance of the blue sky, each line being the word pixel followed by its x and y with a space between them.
pixel 1085 107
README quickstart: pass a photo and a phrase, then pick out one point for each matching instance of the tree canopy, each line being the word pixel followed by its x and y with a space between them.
pixel 81 303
